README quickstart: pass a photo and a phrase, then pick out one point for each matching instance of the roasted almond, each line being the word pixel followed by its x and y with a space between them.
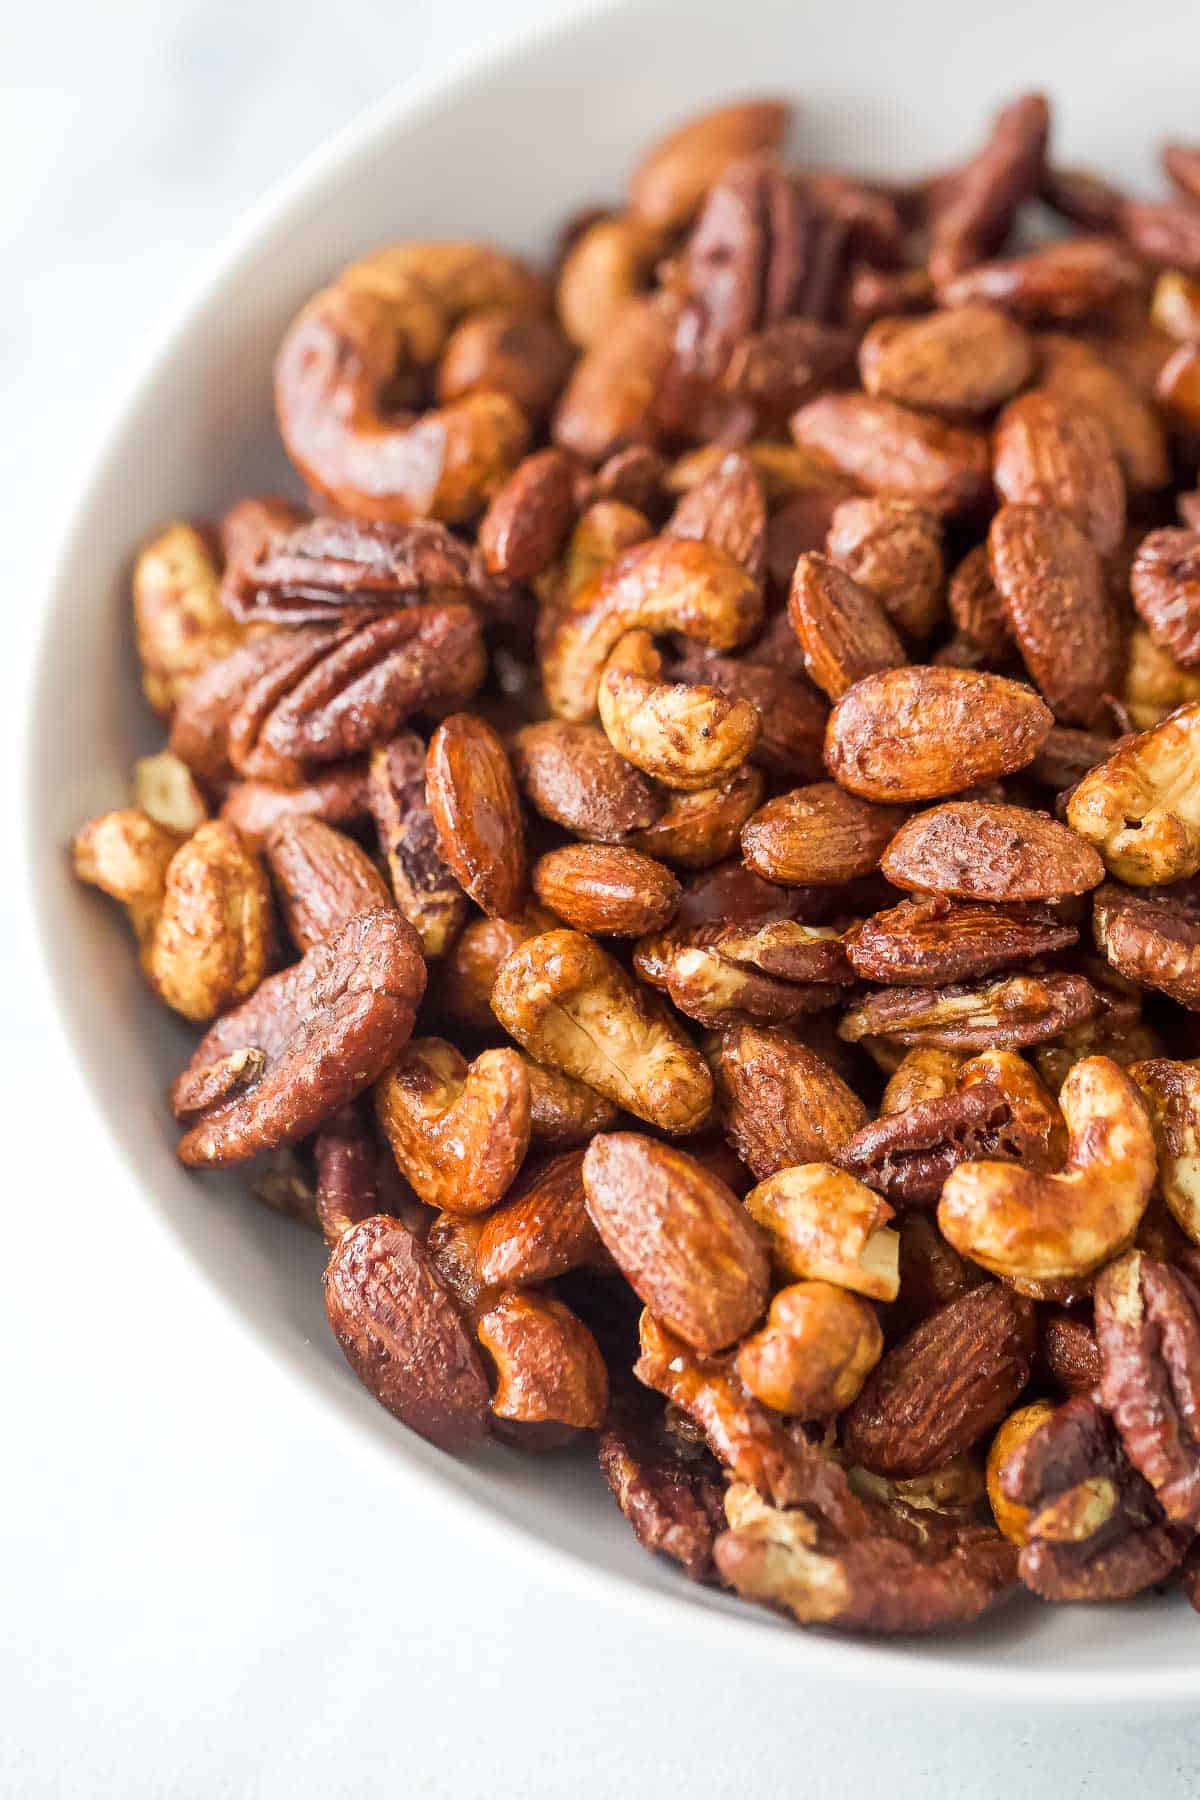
pixel 894 550
pixel 1048 452
pixel 572 775
pixel 606 889
pixel 971 850
pixel 965 359
pixel 890 449
pixel 477 811
pixel 322 878
pixel 920 733
pixel 1078 376
pixel 1051 580
pixel 818 835
pixel 780 1103
pixel 843 629
pixel 679 1236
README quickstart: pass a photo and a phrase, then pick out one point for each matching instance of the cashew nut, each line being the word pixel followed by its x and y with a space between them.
pixel 179 620
pixel 459 1132
pixel 668 584
pixel 825 1226
pixel 1171 1090
pixel 1141 808
pixel 685 737
pixel 1033 1227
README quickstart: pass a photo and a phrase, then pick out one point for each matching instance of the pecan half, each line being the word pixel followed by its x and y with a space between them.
pixel 670 1492
pixel 1153 939
pixel 1148 1331
pixel 309 1040
pixel 425 891
pixel 932 939
pixel 332 569
pixel 1165 584
pixel 987 191
pixel 1008 1014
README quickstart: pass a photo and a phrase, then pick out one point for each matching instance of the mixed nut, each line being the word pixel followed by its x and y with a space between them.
pixel 685 848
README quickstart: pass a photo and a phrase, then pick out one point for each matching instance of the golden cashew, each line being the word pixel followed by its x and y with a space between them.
pixel 1141 808
pixel 458 1131
pixel 816 1349
pixel 334 378
pixel 1154 683
pixel 668 584
pixel 179 620
pixel 126 854
pixel 604 267
pixel 570 1005
pixel 1033 1227
pixel 686 737
pixel 825 1226
pixel 1010 1515
pixel 165 789
pixel 1171 1090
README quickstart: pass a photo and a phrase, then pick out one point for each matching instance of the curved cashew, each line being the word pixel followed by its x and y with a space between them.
pixel 571 1005
pixel 1141 808
pixel 605 266
pixel 1029 1226
pixel 334 377
pixel 459 1132
pixel 668 584
pixel 685 737
pixel 816 1349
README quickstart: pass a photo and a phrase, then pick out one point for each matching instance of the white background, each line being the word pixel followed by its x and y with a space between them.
pixel 186 1544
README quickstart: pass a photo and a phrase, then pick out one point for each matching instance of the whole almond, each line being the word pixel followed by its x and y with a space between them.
pixel 525 525
pixel 675 174
pixel 843 630
pixel 921 733
pixel 1048 452
pixel 941 1388
pixel 971 850
pixel 781 1103
pixel 976 606
pixel 606 889
pixel 680 1237
pixel 476 809
pixel 572 775
pixel 893 549
pixel 322 878
pixel 890 449
pixel 966 359
pixel 403 1335
pixel 1051 580
pixel 1077 375
pixel 818 835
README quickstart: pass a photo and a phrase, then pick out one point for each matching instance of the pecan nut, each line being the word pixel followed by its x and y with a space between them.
pixel 670 1492
pixel 1148 1332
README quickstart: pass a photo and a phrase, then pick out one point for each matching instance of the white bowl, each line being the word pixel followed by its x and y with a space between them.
pixel 505 148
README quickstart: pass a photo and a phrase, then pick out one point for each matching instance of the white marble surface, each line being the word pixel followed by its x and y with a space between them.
pixel 185 1544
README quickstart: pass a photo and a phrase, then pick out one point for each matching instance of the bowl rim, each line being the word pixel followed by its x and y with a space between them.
pixel 826 1657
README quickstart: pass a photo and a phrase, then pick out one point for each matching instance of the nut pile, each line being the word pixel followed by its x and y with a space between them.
pixel 685 850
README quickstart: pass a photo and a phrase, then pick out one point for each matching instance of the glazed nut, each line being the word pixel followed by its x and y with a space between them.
pixel 605 266
pixel 843 629
pixel 1010 1515
pixel 823 1225
pixel 606 889
pixel 166 791
pixel 962 360
pixel 878 743
pixel 214 934
pixel 1056 283
pixel 668 584
pixel 1082 378
pixel 818 835
pixel 403 1335
pixel 1050 578
pixel 337 795
pixel 424 890
pixel 526 523
pixel 931 939
pixel 939 1390
pixel 779 1102
pixel 494 351
pixel 920 1075
pixel 542 1230
pixel 562 1110
pixel 894 550
pixel 1154 684
pixel 458 1131
pixel 684 736
pixel 179 620
pixel 1141 807
pixel 126 854
pixel 816 1349
pixel 973 850
pixel 323 878
pixel 1032 1226
pixel 891 449
pixel 679 1236
pixel 1011 1012
pixel 670 1492
pixel 572 776
pixel 1049 453
pixel 548 1364
pixel 1171 1091
pixel 571 1006
pixel 1148 1331
pixel 462 994
pixel 476 810
pixel 728 508
pixel 1165 584
pixel 699 829
pixel 674 175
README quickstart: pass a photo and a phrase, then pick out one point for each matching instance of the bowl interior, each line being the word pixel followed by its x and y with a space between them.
pixel 506 149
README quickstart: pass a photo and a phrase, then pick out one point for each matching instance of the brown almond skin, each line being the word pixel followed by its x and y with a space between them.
pixel 965 359
pixel 971 850
pixel 780 1103
pixel 890 449
pixel 1165 584
pixel 542 1230
pixel 572 775
pixel 921 733
pixel 818 835
pixel 526 524
pixel 843 630
pixel 322 878
pixel 1049 453
pixel 943 1386
pixel 894 549
pixel 680 1237
pixel 607 889
pixel 1078 375
pixel 473 798
pixel 1051 580
pixel 403 1335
